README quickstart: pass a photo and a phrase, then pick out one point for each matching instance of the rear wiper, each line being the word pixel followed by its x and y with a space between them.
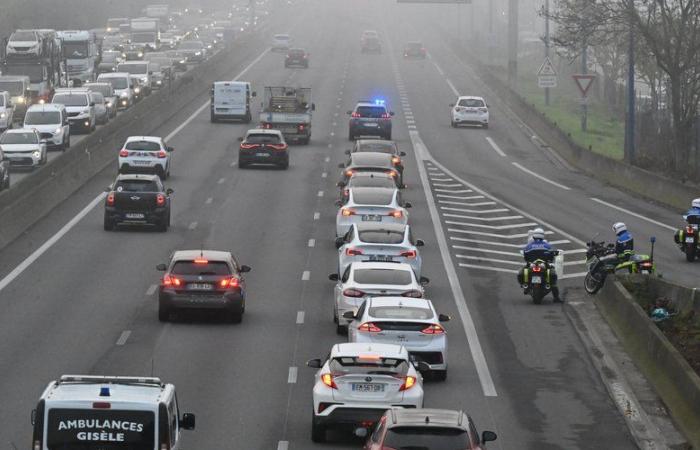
pixel 381 372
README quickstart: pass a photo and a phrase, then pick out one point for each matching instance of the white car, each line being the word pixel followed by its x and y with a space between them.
pixel 7 110
pixel 470 110
pixel 369 241
pixel 413 323
pixel 140 72
pixel 122 85
pixel 51 121
pixel 23 148
pixel 281 42
pixel 357 383
pixel 372 279
pixel 145 154
pixel 101 108
pixel 80 108
pixel 372 205
pixel 24 44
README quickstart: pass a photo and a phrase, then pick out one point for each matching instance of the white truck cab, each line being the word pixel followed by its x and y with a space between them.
pixel 231 100
pixel 86 411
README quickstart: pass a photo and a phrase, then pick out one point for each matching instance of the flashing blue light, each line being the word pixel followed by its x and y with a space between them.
pixel 104 391
pixel 379 101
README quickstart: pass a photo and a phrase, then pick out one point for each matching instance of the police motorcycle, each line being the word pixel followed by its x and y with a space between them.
pixel 597 273
pixel 688 238
pixel 537 277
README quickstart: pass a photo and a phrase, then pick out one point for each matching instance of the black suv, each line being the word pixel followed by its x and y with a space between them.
pixel 297 57
pixel 137 200
pixel 370 119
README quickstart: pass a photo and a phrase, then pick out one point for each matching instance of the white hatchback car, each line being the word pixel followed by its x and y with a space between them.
pixel 370 205
pixel 413 323
pixel 372 279
pixel 23 147
pixel 357 383
pixel 145 154
pixel 470 110
pixel 379 242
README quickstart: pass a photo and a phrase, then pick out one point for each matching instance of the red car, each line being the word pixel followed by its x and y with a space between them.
pixel 430 429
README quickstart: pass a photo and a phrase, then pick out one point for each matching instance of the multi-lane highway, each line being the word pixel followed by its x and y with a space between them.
pixel 88 304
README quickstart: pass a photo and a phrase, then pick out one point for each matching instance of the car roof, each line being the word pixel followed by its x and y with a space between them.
pixel 13 77
pixel 366 226
pixel 356 349
pixel 113 75
pixel 361 142
pixel 137 176
pixel 469 97
pixel 400 301
pixel 213 255
pixel 44 106
pixel 150 391
pixel 371 159
pixel 264 131
pixel 155 139
pixel 428 417
pixel 371 175
pixel 368 103
pixel 19 130
pixel 358 265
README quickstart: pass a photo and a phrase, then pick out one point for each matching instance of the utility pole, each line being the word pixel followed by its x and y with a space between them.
pixel 490 39
pixel 584 99
pixel 546 45
pixel 512 43
pixel 630 125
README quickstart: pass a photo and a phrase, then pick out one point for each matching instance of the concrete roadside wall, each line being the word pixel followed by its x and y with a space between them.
pixel 37 194
pixel 670 374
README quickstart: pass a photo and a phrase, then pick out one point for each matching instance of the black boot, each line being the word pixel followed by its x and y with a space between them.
pixel 555 293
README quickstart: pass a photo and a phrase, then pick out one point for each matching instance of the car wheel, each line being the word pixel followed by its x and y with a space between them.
pixel 67 143
pixel 318 432
pixel 162 225
pixel 285 165
pixel 388 136
pixel 486 125
pixel 341 329
pixel 212 118
pixel 248 118
pixel 108 223
pixel 45 159
pixel 242 165
pixel 351 137
pixel 454 124
pixel 163 313
pixel 438 375
pixel 235 317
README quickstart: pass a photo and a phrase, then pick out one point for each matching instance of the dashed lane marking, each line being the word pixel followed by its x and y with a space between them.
pixel 300 317
pixel 192 226
pixel 317 215
pixel 221 181
pixel 538 176
pixel 305 276
pixel 123 337
pixel 320 193
pixel 634 214
pixel 283 445
pixel 292 377
pixel 151 290
pixel 495 146
pixel 312 242
pixel 208 201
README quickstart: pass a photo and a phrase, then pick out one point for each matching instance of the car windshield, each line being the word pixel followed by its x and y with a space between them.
pixel 71 99
pixel 426 438
pixel 116 82
pixel 382 182
pixel 382 276
pixel 369 364
pixel 19 138
pixel 2 100
pixel 13 87
pixel 372 112
pixel 23 36
pixel 471 103
pixel 104 90
pixel 42 118
pixel 372 196
pixel 191 45
pixel 133 68
pixel 136 186
pixel 77 50
pixel 109 57
pixel 378 147
pixel 143 38
pixel 381 236
pixel 400 312
pixel 144 146
pixel 262 139
pixel 97 98
pixel 201 268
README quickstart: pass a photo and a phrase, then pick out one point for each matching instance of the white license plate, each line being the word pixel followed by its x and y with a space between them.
pixel 384 258
pixel 200 286
pixel 371 218
pixel 263 155
pixel 367 387
pixel 134 215
pixel 371 124
pixel 536 280
pixel 689 240
pixel 141 163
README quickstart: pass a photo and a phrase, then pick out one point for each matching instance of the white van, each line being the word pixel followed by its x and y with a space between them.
pixel 231 100
pixel 122 85
pixel 85 411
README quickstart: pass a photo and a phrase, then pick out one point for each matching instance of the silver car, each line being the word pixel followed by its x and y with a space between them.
pixel 101 109
pixel 145 154
pixel 379 242
pixel 23 147
pixel 373 205
pixel 107 91
pixel 413 323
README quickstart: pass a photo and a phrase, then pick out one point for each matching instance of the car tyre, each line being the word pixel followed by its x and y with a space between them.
pixel 285 165
pixel 454 124
pixel 163 313
pixel 212 118
pixel 162 225
pixel 342 330
pixel 67 145
pixel 248 118
pixel 318 432
pixel 351 137
pixel 388 136
pixel 235 317
pixel 439 375
pixel 485 126
pixel 108 223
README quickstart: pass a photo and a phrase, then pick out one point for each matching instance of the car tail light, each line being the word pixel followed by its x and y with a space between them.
pixel 101 405
pixel 267 126
pixel 170 280
pixel 460 109
pixel 356 115
pixel 160 200
pixel 396 214
pixel 647 264
pixel 110 199
pixel 201 261
pixel 689 230
pixel 369 327
pixel 408 383
pixel 386 116
pixel 301 127
pixel 391 173
pixel 327 379
pixel 355 293
pixel 413 293
pixel 396 160
pixel 405 54
pixel 245 146
pixel 433 329
pixel 353 252
pixel 123 153
pixel 537 268
pixel 162 154
pixel 278 146
pixel 347 212
pixel 228 283
pixel 409 254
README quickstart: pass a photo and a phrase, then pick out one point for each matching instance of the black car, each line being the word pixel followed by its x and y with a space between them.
pixel 414 50
pixel 4 172
pixel 297 57
pixel 202 280
pixel 262 146
pixel 370 119
pixel 370 42
pixel 137 200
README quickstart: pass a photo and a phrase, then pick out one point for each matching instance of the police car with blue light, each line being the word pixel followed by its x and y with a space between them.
pixel 370 118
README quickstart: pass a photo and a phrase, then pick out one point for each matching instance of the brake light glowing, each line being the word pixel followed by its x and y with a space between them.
pixel 267 126
pixel 689 230
pixel 301 127
pixel 413 293
pixel 433 329
pixel 386 116
pixel 410 254
pixel 278 146
pixel 348 173
pixel 353 252
pixel 327 379
pixel 160 200
pixel 201 261
pixel 396 214
pixel 536 268
pixel 123 153
pixel 368 327
pixel 162 154
pixel 396 160
pixel 110 199
pixel 408 383
pixel 228 283
pixel 354 293
pixel 646 264
pixel 347 212
pixel 391 173
pixel 101 405
pixel 245 146
pixel 169 280
pixel 356 115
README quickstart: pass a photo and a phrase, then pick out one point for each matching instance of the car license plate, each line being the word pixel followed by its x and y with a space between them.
pixel 141 163
pixel 371 124
pixel 263 155
pixel 367 387
pixel 200 286
pixel 371 218
pixel 384 258
pixel 536 280
pixel 689 240
pixel 134 215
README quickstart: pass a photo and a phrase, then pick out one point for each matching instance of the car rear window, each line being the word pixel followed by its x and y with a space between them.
pixel 426 438
pixel 395 312
pixel 372 112
pixel 196 268
pixel 296 52
pixel 414 46
pixel 262 139
pixel 369 366
pixel 136 186
pixel 471 103
pixel 380 147
pixel 382 276
pixel 71 99
pixel 383 182
pixel 145 146
pixel 381 236
pixel 372 196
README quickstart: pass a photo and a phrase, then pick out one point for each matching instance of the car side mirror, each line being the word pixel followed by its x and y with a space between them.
pixel 187 421
pixel 444 318
pixel 169 191
pixel 341 184
pixel 170 149
pixel 132 86
pixel 254 94
pixel 452 105
pixel 333 277
pixel 314 363
pixel 33 417
pixel 341 165
pixel 349 113
pixel 424 281
pixel 245 269
pixel 407 205
pixel 92 103
pixel 420 243
pixel 402 153
pixel 240 139
pixel 391 113
pixel 349 315
pixel 338 203
pixel 339 242
pixel 403 186
pixel 347 152
pixel 150 72
pixel 421 366
pixel 161 267
pixel 488 436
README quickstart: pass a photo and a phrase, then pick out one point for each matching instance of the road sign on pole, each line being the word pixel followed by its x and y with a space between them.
pixel 584 82
pixel 547 74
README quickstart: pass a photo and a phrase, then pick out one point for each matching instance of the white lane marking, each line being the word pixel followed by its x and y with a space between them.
pixel 452 202
pixel 496 235
pixel 312 242
pixel 324 174
pixel 411 127
pixel 474 211
pixel 482 369
pixel 330 146
pixel 447 184
pixel 574 263
pixel 208 201
pixel 537 175
pixel 410 121
pixel 221 181
pixel 493 227
pixel 305 275
pixel 494 269
pixel 292 377
pixel 639 216
pixel 573 275
pixel 151 290
pixel 332 134
pixel 453 191
pixel 486 219
pixel 439 69
pixel 436 178
pixel 479 258
pixel 283 445
pixel 233 163
pixel 486 250
pixel 300 317
pixel 460 197
pixel 502 244
pixel 568 252
pixel 317 215
pixel 50 242
pixel 452 86
pixel 495 146
pixel 123 337
pixel 192 226
pixel 320 193
pixel 328 158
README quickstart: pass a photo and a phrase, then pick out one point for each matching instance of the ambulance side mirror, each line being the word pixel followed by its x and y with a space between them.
pixel 187 422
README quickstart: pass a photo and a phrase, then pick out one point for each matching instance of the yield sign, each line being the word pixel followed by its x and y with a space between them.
pixel 584 82
pixel 547 68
